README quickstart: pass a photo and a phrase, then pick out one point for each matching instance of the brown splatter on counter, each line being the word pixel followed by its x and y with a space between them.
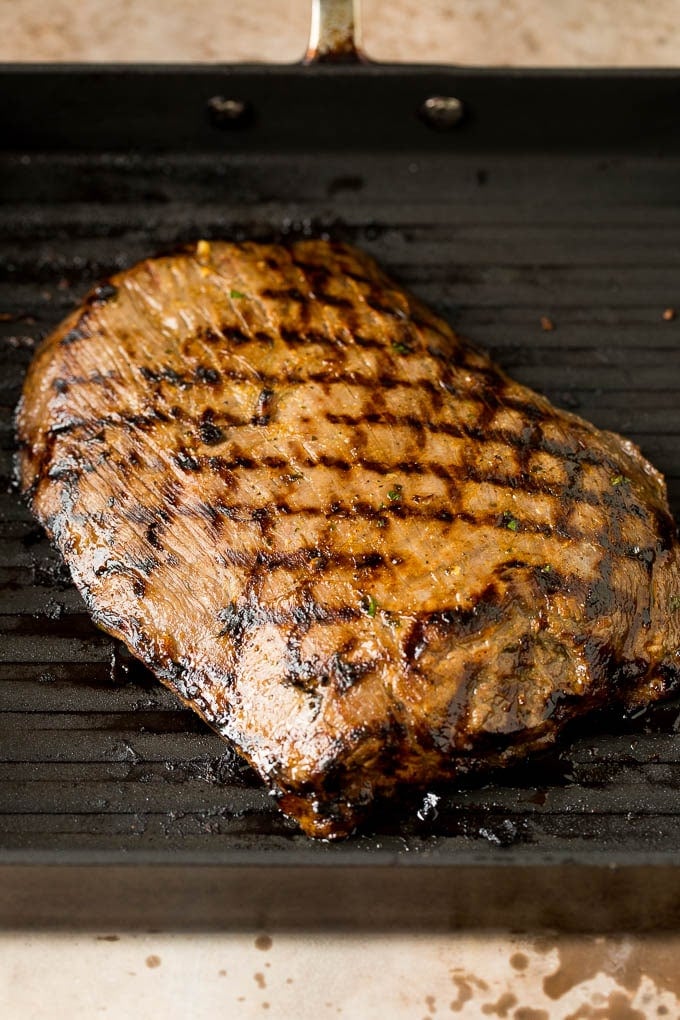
pixel 502 1007
pixel 626 960
pixel 465 983
pixel 547 324
pixel 263 943
pixel 617 1007
pixel 519 961
pixel 153 961
pixel 579 961
pixel 464 993
pixel 474 976
pixel 565 977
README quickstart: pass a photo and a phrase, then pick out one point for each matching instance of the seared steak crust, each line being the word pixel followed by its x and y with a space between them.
pixel 336 530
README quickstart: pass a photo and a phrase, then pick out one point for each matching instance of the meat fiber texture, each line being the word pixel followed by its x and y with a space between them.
pixel 336 530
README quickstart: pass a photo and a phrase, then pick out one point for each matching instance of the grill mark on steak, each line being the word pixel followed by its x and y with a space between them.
pixel 79 332
pixel 303 556
pixel 105 292
pixel 459 431
pixel 296 295
pixel 386 379
pixel 239 618
pixel 263 408
pixel 496 580
pixel 317 271
pixel 130 565
pixel 188 462
pixel 205 374
pixel 572 459
pixel 455 623
pixel 492 398
pixel 382 512
pixel 168 375
pixel 549 580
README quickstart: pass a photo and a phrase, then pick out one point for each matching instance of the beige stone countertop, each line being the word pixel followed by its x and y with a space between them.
pixel 515 32
pixel 340 977
pixel 352 977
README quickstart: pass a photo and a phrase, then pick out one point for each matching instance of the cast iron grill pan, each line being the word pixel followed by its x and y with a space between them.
pixel 574 217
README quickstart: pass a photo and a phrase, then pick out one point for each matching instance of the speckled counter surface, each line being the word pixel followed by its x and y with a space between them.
pixel 521 32
pixel 359 977
pixel 255 975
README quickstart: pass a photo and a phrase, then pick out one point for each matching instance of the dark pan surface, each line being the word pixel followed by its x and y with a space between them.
pixel 95 756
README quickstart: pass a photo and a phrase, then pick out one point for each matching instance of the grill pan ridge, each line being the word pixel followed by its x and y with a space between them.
pixel 545 202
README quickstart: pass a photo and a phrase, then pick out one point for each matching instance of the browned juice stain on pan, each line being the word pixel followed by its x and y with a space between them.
pixel 263 942
pixel 259 980
pixel 153 961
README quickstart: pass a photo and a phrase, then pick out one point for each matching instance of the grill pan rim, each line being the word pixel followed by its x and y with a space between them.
pixel 502 862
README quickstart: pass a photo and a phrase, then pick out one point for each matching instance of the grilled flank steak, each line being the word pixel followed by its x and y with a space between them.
pixel 337 531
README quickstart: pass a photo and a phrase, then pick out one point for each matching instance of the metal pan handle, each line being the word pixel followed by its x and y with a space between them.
pixel 335 32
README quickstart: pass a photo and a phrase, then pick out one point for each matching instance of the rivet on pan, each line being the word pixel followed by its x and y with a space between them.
pixel 229 113
pixel 441 112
